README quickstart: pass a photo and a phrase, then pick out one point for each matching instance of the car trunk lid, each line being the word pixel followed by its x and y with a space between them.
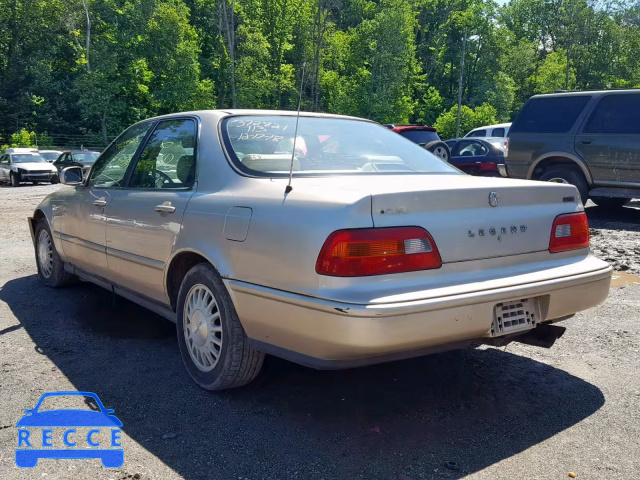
pixel 472 218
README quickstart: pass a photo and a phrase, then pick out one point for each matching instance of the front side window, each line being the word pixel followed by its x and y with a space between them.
pixel 264 145
pixel 616 114
pixel 549 114
pixel 85 157
pixel 168 159
pixel 111 168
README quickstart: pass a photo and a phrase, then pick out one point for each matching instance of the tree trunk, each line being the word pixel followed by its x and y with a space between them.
pixel 103 125
pixel 464 49
pixel 88 37
pixel 229 26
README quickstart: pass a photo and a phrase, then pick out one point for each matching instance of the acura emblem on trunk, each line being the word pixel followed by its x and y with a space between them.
pixel 494 199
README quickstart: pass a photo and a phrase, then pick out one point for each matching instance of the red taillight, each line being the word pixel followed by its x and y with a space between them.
pixel 569 232
pixel 488 167
pixel 377 251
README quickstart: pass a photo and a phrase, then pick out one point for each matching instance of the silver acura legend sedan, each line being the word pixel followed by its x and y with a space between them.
pixel 326 240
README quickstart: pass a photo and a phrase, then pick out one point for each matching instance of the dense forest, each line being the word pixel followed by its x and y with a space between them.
pixel 76 72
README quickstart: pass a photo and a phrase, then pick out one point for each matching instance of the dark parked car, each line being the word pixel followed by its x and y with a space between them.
pixel 590 139
pixel 81 158
pixel 424 136
pixel 478 156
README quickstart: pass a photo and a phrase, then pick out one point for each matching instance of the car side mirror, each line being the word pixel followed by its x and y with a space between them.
pixel 71 176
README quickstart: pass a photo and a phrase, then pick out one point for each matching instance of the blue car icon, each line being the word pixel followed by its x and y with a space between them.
pixel 30 448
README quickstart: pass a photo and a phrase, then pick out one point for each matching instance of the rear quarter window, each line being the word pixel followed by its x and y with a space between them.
pixel 549 114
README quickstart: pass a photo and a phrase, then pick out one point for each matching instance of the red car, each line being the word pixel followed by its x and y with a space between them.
pixel 424 136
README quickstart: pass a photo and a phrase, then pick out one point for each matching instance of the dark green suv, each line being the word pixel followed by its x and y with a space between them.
pixel 589 139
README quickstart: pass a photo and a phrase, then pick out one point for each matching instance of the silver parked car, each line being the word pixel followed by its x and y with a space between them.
pixel 19 165
pixel 377 250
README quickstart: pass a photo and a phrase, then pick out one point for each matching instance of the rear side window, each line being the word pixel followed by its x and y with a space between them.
pixel 549 114
pixel 616 114
pixel 420 136
pixel 478 133
pixel 498 132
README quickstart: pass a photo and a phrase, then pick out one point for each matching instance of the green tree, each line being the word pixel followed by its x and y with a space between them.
pixel 469 119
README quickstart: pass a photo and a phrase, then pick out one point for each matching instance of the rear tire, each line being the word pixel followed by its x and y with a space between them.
pixel 610 202
pixel 213 345
pixel 570 175
pixel 15 180
pixel 439 149
pixel 50 266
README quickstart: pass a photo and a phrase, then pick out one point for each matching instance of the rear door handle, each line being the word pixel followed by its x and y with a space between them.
pixel 100 203
pixel 166 207
pixel 586 142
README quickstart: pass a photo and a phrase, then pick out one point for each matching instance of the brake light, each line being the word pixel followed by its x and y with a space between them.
pixel 377 251
pixel 569 232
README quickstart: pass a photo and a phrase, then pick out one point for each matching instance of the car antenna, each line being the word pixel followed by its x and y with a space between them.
pixel 288 188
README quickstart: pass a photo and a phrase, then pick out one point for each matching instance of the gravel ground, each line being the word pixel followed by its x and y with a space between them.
pixel 515 412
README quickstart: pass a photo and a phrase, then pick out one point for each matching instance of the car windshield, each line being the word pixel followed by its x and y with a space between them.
pixel 68 402
pixel 50 156
pixel 86 157
pixel 27 158
pixel 263 145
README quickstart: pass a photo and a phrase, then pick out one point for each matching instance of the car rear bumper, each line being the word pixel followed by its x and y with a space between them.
pixel 325 333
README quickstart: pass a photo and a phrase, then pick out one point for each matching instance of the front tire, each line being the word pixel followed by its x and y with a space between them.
pixel 213 345
pixel 570 175
pixel 55 180
pixel 15 179
pixel 50 266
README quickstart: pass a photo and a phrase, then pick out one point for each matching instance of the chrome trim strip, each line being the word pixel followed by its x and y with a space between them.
pixel 79 241
pixel 131 257
pixel 537 288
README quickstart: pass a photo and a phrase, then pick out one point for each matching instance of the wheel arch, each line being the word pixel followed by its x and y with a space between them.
pixel 179 264
pixel 38 215
pixel 558 158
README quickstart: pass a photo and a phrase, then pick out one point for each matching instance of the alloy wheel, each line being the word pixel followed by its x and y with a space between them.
pixel 202 327
pixel 45 253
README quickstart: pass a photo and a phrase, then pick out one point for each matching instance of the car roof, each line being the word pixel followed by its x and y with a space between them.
pixel 562 93
pixel 222 113
pixel 404 128
pixel 20 150
pixel 495 125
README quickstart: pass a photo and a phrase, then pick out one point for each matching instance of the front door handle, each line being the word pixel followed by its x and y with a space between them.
pixel 100 203
pixel 166 207
pixel 586 142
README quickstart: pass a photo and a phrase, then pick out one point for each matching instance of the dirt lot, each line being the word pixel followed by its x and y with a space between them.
pixel 519 412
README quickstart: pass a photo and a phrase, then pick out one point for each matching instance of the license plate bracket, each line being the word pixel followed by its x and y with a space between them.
pixel 515 316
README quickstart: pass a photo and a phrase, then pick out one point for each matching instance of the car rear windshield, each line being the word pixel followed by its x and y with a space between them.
pixel 421 137
pixel 549 114
pixel 27 158
pixel 262 145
